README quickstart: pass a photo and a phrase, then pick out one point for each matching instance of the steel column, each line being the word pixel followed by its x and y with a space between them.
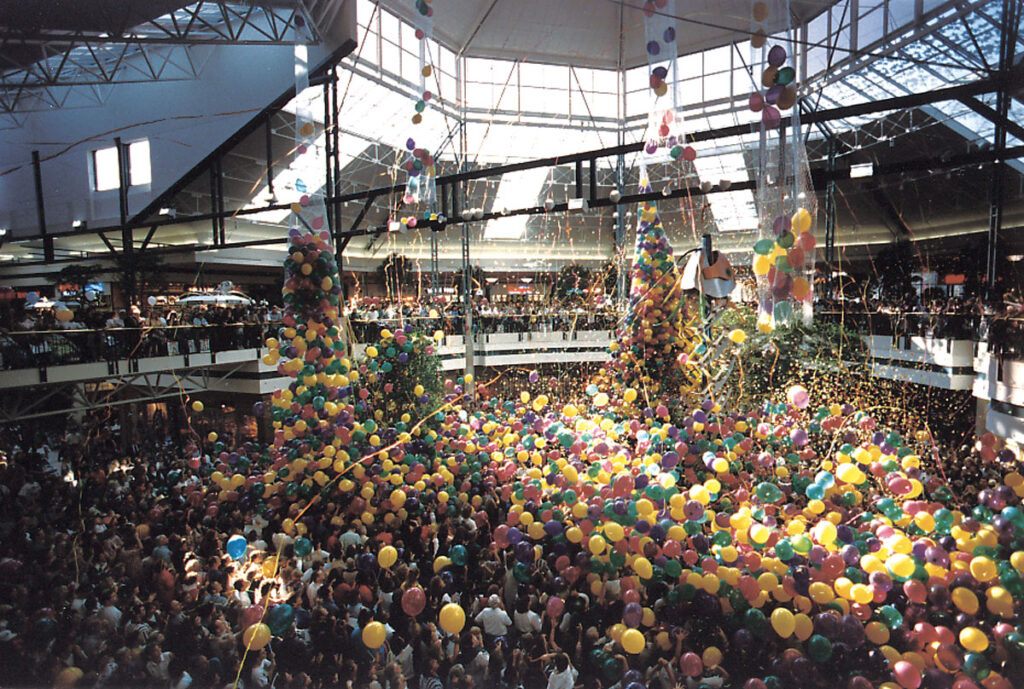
pixel 37 175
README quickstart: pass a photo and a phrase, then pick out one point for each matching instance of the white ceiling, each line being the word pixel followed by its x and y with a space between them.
pixel 585 33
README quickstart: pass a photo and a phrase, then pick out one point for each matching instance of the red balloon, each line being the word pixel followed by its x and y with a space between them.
pixel 413 601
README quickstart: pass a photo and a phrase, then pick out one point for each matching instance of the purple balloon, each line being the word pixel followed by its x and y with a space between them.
pixel 776 56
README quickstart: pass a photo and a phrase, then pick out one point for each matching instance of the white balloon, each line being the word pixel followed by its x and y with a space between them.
pixel 151 301
pixel 31 298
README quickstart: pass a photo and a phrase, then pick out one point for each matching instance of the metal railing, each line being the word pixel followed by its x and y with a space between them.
pixel 42 348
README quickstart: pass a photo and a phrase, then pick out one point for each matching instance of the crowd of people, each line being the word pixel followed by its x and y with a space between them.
pixel 369 315
pixel 38 337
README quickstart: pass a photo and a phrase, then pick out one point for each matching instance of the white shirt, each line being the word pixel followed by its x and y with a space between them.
pixel 495 621
pixel 528 621
pixel 563 680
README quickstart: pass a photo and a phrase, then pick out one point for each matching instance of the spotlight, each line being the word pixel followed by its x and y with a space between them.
pixel 549 203
pixel 614 195
pixel 666 190
pixel 478 213
pixel 169 212
pixel 467 213
pixel 78 224
pixel 724 183
pixel 706 186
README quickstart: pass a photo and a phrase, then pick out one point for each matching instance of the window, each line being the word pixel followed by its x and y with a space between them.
pixel 106 173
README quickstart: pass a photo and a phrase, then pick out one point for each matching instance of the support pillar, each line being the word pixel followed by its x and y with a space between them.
pixel 830 219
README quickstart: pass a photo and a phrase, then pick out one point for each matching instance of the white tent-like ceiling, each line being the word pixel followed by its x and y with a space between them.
pixel 587 33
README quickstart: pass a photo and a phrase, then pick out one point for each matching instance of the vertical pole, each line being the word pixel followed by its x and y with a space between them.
pixel 579 179
pixel 127 240
pixel 270 157
pixel 830 216
pixel 1007 51
pixel 37 174
pixel 593 180
pixel 221 220
pixel 328 157
pixel 336 143
pixel 620 234
pixel 214 225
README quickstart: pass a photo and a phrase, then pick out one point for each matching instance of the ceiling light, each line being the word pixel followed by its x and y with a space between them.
pixel 1015 258
pixel 490 281
pixel 526 280
pixel 78 224
pixel 614 195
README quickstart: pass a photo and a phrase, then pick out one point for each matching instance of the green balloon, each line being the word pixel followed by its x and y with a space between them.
pixel 819 648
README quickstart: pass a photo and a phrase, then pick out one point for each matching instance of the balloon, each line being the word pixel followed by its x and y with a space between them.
pixel 906 674
pixel 374 635
pixel 413 601
pixel 452 618
pixel 633 641
pixel 783 622
pixel 280 618
pixel 973 639
pixel 236 547
pixel 197 406
pixel 691 664
pixel 819 648
pixel 387 556
pixel 711 656
pixel 256 636
pixel 250 616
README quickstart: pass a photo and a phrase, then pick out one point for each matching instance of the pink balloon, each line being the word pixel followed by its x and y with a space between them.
pixel 250 616
pixel 555 606
pixel 691 665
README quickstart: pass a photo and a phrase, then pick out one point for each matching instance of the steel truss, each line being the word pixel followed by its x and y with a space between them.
pixel 78 68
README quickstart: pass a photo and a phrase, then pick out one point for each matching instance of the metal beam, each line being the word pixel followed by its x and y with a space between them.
pixel 992 115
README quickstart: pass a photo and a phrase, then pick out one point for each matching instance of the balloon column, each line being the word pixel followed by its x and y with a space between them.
pixel 654 344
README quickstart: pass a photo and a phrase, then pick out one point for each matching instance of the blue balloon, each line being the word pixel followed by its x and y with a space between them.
pixel 237 545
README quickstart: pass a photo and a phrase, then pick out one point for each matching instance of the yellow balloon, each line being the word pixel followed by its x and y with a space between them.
pixel 877 633
pixel 256 636
pixel 803 626
pixel 983 569
pixel 614 532
pixel 965 600
pixel 643 567
pixel 452 618
pixel 374 635
pixel 973 639
pixel 801 221
pixel 387 556
pixel 633 641
pixel 197 406
pixel 737 336
pixel 783 622
pixel 711 656
pixel 596 544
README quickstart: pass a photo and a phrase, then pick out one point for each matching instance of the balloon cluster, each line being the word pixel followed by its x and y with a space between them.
pixel 653 346
pixel 778 260
pixel 421 174
pixel 777 78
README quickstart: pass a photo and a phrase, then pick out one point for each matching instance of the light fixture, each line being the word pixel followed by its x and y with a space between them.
pixel 1015 258
pixel 526 280
pixel 78 224
pixel 4 231
pixel 706 186
pixel 478 213
pixel 862 170
pixel 490 281
pixel 666 190
pixel 724 184
pixel 614 195
pixel 467 213
pixel 549 203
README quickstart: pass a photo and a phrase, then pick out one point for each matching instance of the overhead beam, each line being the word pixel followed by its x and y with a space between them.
pixel 994 117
